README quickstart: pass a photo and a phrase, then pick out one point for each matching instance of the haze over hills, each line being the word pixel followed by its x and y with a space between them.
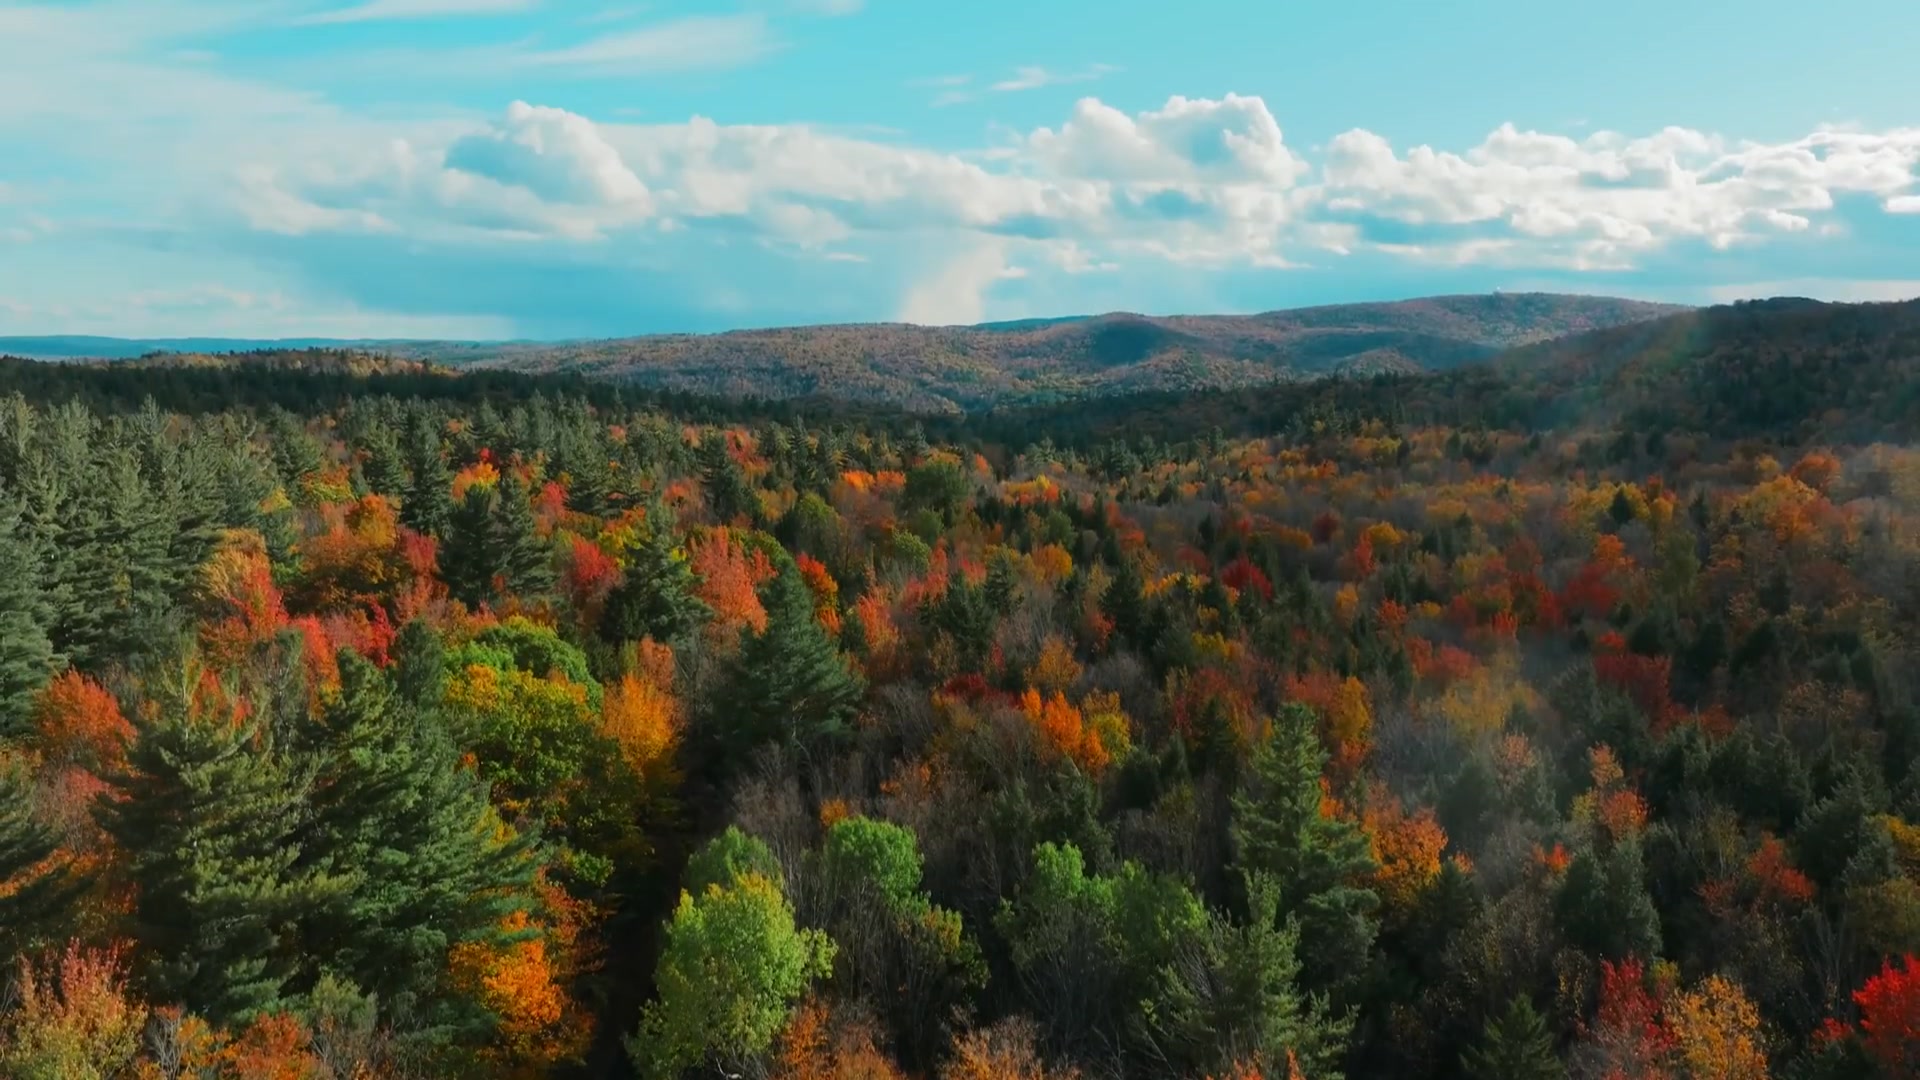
pixel 949 369
pixel 1786 370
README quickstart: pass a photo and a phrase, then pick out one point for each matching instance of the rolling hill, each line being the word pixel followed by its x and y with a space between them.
pixel 951 369
pixel 955 369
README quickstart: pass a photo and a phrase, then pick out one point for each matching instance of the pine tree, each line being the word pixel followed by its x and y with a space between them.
pixel 788 682
pixel 524 561
pixel 34 889
pixel 26 656
pixel 1516 1045
pixel 428 506
pixel 728 493
pixel 385 468
pixel 1316 860
pixel 419 664
pixel 469 559
pixel 656 599
pixel 397 816
pixel 210 813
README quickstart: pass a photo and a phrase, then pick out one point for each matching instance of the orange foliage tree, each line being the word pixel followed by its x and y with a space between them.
pixel 538 1025
pixel 729 576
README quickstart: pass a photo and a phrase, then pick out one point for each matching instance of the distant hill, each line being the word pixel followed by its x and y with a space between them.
pixel 947 369
pixel 1789 369
pixel 1033 361
pixel 81 347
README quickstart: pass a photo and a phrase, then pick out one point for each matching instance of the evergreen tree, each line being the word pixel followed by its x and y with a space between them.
pixel 26 656
pixel 1515 1046
pixel 788 683
pixel 656 599
pixel 419 664
pixel 410 829
pixel 33 890
pixel 1317 861
pixel 524 561
pixel 210 814
pixel 386 467
pixel 728 493
pixel 1604 906
pixel 470 558
pixel 428 506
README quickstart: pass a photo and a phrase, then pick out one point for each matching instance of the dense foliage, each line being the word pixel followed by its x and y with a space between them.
pixel 1397 728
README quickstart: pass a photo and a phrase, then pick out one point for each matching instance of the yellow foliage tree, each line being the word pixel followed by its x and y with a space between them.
pixel 1716 1032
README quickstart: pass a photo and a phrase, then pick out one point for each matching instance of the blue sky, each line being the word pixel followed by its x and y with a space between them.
pixel 552 168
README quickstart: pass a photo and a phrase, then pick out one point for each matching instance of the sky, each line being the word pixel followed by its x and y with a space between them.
pixel 492 169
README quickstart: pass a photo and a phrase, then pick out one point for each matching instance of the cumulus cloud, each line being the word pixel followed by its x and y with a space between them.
pixel 1603 200
pixel 555 154
pixel 1196 181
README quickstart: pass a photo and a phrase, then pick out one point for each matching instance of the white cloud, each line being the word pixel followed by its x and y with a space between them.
pixel 955 294
pixel 1904 204
pixel 1602 201
pixel 414 9
pixel 1024 78
pixel 1033 78
pixel 1838 290
pixel 1231 140
pixel 1196 181
pixel 685 44
pixel 554 154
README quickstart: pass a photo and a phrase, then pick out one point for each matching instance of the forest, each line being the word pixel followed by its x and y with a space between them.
pixel 1542 720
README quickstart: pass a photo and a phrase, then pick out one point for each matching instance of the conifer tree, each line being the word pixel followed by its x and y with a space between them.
pixel 1316 860
pixel 419 664
pixel 396 815
pixel 428 506
pixel 470 558
pixel 385 468
pixel 524 561
pixel 1516 1045
pixel 728 493
pixel 788 683
pixel 657 598
pixel 33 888
pixel 210 813
pixel 26 656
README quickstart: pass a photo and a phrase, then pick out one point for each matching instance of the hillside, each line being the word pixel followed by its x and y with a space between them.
pixel 1785 371
pixel 954 369
pixel 948 369
pixel 1786 368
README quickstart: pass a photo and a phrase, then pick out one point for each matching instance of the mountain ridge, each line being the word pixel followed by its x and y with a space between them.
pixel 953 369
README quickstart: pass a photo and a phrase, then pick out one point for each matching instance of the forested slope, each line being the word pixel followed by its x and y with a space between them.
pixel 363 720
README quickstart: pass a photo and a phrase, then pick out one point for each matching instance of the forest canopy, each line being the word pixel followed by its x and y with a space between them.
pixel 1550 718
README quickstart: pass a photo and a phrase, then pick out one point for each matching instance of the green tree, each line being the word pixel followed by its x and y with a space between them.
pixel 732 966
pixel 656 598
pixel 789 683
pixel 726 858
pixel 34 887
pixel 909 960
pixel 1317 861
pixel 469 558
pixel 524 561
pixel 1515 1045
pixel 428 863
pixel 26 656
pixel 211 813
pixel 729 495
pixel 428 505
pixel 1604 905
